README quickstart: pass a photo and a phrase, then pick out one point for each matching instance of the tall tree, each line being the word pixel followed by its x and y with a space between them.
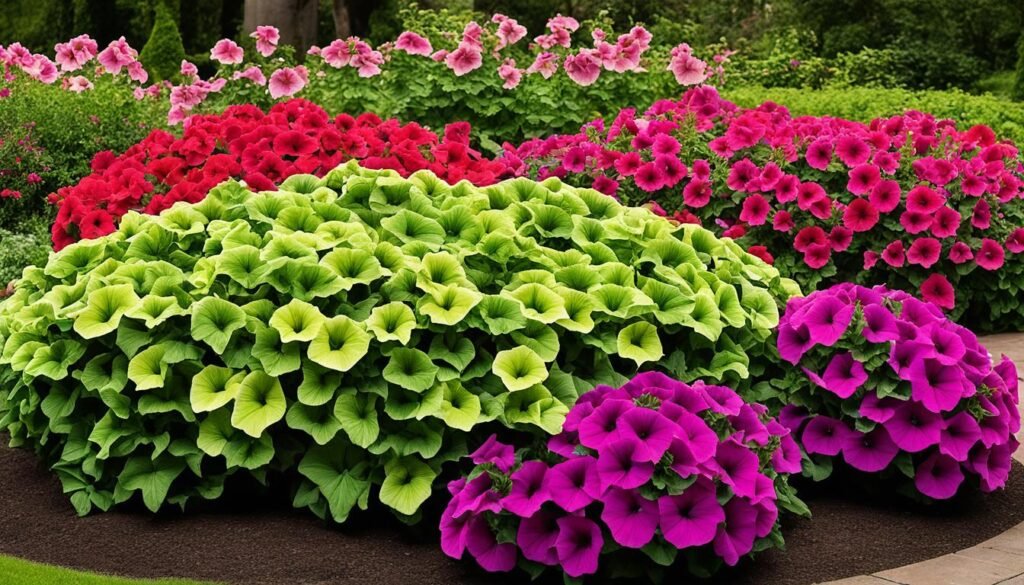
pixel 296 19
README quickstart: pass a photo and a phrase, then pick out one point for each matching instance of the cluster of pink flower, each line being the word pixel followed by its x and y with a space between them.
pixel 891 384
pixel 71 57
pixel 646 462
pixel 295 137
pixel 921 189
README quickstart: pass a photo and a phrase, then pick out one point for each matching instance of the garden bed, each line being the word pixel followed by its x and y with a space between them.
pixel 272 543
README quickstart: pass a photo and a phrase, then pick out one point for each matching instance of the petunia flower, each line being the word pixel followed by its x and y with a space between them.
pixel 870 452
pixel 227 52
pixel 960 434
pixel 527 493
pixel 990 256
pixel 913 427
pixel 616 465
pixel 652 432
pixel 735 538
pixel 631 518
pixel 824 435
pixel 573 484
pixel 537 535
pixel 578 545
pixel 267 38
pixel 737 466
pixel 485 548
pixel 692 517
pixel 938 477
pixel 844 375
pixel 413 44
pixel 597 428
pixel 937 289
pixel 827 319
pixel 495 452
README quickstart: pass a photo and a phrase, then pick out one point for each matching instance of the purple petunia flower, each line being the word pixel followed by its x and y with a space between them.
pixel 578 545
pixel 844 375
pixel 453 531
pixel 683 461
pixel 603 423
pixel 536 537
pixel 878 409
pixel 527 494
pixel 692 517
pixel 993 465
pixel 949 347
pixel 787 458
pixel 736 537
pixel 938 477
pixel 719 398
pixel 617 465
pixel 477 497
pixel 749 424
pixel 996 426
pixel 485 548
pixel 961 433
pixel 631 518
pixel 824 435
pixel 701 440
pixel 937 386
pixel 794 342
pixel 574 483
pixel 792 417
pixel 869 452
pixel 905 353
pixel 913 427
pixel 827 320
pixel 492 451
pixel 737 466
pixel 652 432
pixel 879 324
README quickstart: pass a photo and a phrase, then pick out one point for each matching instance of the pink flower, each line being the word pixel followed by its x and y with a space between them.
pixel 253 74
pixel 885 196
pixel 990 256
pixel 267 38
pixel 925 252
pixel 336 54
pixel 937 289
pixel 863 178
pixel 819 154
pixel 189 69
pixel 509 32
pixel 755 210
pixel 117 55
pixel 960 253
pixel 852 150
pixel 78 84
pixel 413 44
pixel 946 222
pixel 782 221
pixel 227 52
pixel 510 74
pixel 463 60
pixel 546 64
pixel 894 254
pixel 584 67
pixel 75 53
pixel 287 81
pixel 982 216
pixel 687 69
pixel 43 70
pixel 1015 242
pixel 860 215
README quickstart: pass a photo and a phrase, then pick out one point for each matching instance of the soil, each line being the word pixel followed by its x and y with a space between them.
pixel 260 540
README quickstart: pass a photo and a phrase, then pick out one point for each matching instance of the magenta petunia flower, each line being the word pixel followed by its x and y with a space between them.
pixel 578 545
pixel 595 430
pixel 477 497
pixel 720 399
pixel 924 252
pixel 536 537
pixel 852 150
pixel 879 324
pixel 494 451
pixel 924 199
pixel 913 427
pixel 947 222
pixel 903 354
pixel 824 435
pixel 878 409
pixel 936 386
pixel 574 483
pixel 485 548
pixel 991 255
pixel 701 440
pixel 860 215
pixel 916 222
pixel 755 210
pixel 227 52
pixel 886 196
pixel 787 458
pixel 960 434
pixel 735 538
pixel 631 518
pixel 993 465
pixel 794 342
pixel 413 44
pixel 649 177
pixel 948 345
pixel 652 432
pixel 863 178
pixel 616 465
pixel 464 59
pixel 937 289
pixel 938 477
pixel 894 254
pixel 454 530
pixel 737 466
pixel 870 452
pixel 844 375
pixel 819 154
pixel 527 493
pixel 692 517
pixel 827 319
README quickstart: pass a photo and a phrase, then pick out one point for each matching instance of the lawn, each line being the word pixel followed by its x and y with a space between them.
pixel 20 572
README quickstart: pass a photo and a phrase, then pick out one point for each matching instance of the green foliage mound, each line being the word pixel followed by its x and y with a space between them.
pixel 351 334
pixel 163 53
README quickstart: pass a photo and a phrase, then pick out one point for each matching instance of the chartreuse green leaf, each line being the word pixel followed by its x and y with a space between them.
pixel 297 321
pixel 319 384
pixel 539 302
pixel 104 309
pixel 408 227
pixel 501 315
pixel 77 258
pixel 213 387
pixel 704 316
pixel 150 476
pixel 154 310
pixel 729 307
pixel 357 413
pixel 519 368
pixel 640 342
pixel 448 305
pixel 274 357
pixel 259 403
pixel 214 320
pixel 394 321
pixel 53 361
pixel 353 266
pixel 243 264
pixel 410 369
pixel 407 484
pixel 460 408
pixel 339 472
pixel 316 421
pixel 215 431
pixel 149 368
pixel 402 404
pixel 535 406
pixel 339 344
pixel 760 307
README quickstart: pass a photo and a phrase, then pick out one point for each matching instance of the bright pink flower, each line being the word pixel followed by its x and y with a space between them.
pixel 863 178
pixel 870 259
pixel 227 52
pixel 75 53
pixel 960 253
pixel 584 67
pixel 78 84
pixel 546 64
pixel 939 477
pixel 924 252
pixel 762 253
pixel 782 221
pixel 337 54
pixel 253 74
pixel 463 60
pixel 43 70
pixel 916 222
pixel 860 215
pixel 509 32
pixel 413 44
pixel 894 254
pixel 287 81
pixel 267 38
pixel 687 69
pixel 982 216
pixel 923 199
pixel 117 55
pixel 870 452
pixel 649 177
pixel 946 222
pixel 852 150
pixel 818 255
pixel 819 154
pixel 697 193
pixel 840 238
pixel 1015 241
pixel 755 210
pixel 510 74
pixel 991 255
pixel 937 289
pixel 809 236
pixel 885 196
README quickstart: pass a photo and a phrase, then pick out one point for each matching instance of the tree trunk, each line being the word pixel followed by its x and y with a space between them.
pixel 296 19
pixel 342 19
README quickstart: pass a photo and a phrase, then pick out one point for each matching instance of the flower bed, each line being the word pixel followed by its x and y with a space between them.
pixel 908 201
pixel 295 137
pixel 889 384
pixel 361 340
pixel 642 475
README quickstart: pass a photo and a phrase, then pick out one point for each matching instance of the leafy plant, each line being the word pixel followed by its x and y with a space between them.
pixel 360 329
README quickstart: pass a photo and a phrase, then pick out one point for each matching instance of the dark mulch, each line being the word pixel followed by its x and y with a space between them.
pixel 259 540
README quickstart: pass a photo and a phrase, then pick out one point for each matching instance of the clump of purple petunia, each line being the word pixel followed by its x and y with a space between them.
pixel 892 386
pixel 639 473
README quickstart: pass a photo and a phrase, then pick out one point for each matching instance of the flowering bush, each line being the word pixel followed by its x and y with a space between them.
pixel 638 474
pixel 361 327
pixel 889 384
pixel 824 198
pixel 261 149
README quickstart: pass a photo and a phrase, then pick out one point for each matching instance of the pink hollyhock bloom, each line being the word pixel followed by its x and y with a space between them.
pixel 413 44
pixel 939 477
pixel 692 517
pixel 863 178
pixel 616 465
pixel 495 452
pixel 840 238
pixel 687 69
pixel 227 52
pixel 916 222
pixel 924 252
pixel 885 196
pixel 736 537
pixel 894 254
pixel 75 53
pixel 510 74
pixel 578 545
pixel 463 60
pixel 937 289
pixel 116 56
pixel 509 32
pixel 485 548
pixel 819 154
pixel 782 221
pixel 959 436
pixel 946 222
pixel 824 435
pixel 1015 241
pixel 267 38
pixel 844 375
pixel 860 215
pixel 546 64
pixel 697 193
pixel 573 484
pixel 527 493
pixel 982 216
pixel 991 255
pixel 631 518
pixel 938 387
pixel 870 259
pixel 755 210
pixel 584 68
pixel 286 81
pixel 78 84
pixel 253 74
pixel 536 537
pixel 960 253
pixel 336 54
pixel 870 452
pixel 852 150
pixel 913 427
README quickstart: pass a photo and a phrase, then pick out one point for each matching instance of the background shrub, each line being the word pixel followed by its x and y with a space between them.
pixel 163 53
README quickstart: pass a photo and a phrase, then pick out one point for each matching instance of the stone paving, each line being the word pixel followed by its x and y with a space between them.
pixel 998 561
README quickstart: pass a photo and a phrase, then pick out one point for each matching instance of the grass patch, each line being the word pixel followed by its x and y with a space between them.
pixel 19 572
